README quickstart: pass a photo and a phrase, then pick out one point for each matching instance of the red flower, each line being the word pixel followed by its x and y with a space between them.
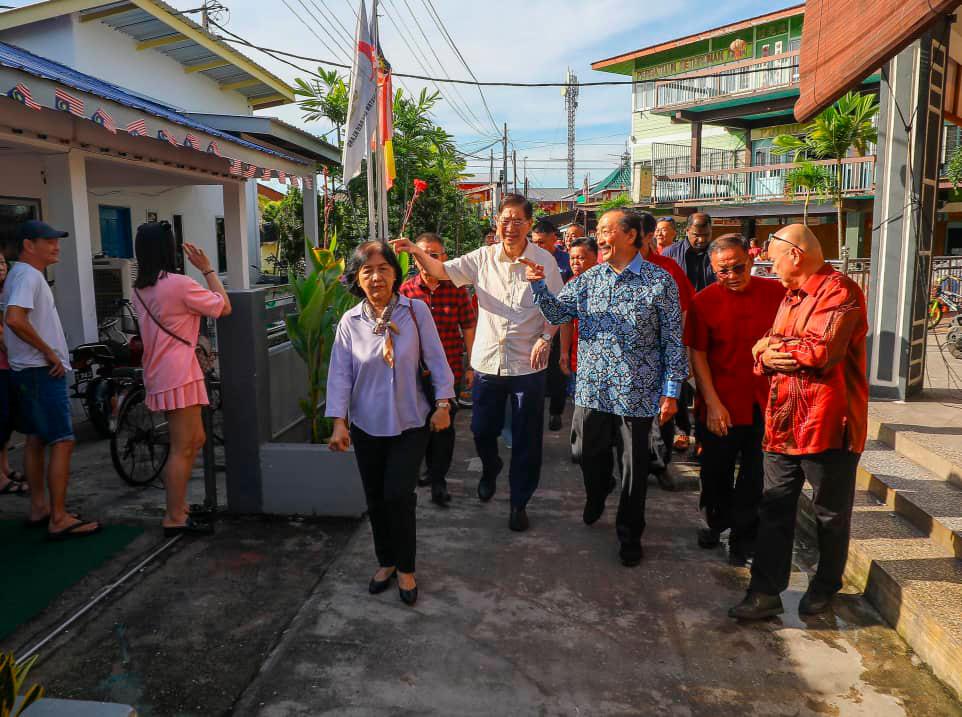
pixel 419 186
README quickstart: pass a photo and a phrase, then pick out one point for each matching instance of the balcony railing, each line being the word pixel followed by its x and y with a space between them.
pixel 736 78
pixel 756 184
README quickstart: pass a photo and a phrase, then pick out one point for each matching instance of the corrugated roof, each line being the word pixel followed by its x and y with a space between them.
pixel 19 59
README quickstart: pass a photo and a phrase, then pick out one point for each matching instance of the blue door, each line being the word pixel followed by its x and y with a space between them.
pixel 116 238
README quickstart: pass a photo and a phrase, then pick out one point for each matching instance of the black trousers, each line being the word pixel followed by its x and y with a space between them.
pixel 593 436
pixel 389 471
pixel 730 501
pixel 683 417
pixel 832 475
pixel 440 451
pixel 557 387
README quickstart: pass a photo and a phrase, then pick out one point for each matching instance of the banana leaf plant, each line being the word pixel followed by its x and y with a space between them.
pixel 321 301
pixel 12 679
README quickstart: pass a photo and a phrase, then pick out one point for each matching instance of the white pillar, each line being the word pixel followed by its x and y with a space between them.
pixel 238 238
pixel 66 209
pixel 253 232
pixel 311 228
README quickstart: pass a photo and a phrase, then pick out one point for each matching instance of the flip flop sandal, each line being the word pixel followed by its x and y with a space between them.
pixel 72 532
pixel 191 527
pixel 15 488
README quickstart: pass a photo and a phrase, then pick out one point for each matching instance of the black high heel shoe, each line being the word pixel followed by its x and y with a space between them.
pixel 408 597
pixel 379 586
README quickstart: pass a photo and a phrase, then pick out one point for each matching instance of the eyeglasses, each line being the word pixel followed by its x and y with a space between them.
pixel 736 270
pixel 774 237
pixel 512 222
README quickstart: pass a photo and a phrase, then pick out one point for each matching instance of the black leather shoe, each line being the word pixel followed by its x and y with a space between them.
pixel 488 483
pixel 593 510
pixel 757 606
pixel 379 586
pixel 518 522
pixel 737 558
pixel 440 496
pixel 424 481
pixel 708 538
pixel 814 602
pixel 554 422
pixel 630 555
pixel 408 597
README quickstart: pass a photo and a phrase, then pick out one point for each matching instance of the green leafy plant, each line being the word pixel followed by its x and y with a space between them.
pixel 953 168
pixel 321 301
pixel 845 126
pixel 809 180
pixel 12 679
pixel 618 201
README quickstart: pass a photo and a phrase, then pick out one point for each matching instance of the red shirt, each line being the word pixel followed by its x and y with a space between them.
pixel 725 324
pixel 453 312
pixel 686 292
pixel 824 405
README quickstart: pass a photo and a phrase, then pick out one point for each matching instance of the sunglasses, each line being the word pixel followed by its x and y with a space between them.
pixel 736 270
pixel 774 237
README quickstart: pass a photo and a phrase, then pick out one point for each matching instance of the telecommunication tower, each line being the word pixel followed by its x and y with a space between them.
pixel 571 105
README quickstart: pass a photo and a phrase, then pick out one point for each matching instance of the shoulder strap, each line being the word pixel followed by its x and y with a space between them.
pixel 160 325
pixel 417 327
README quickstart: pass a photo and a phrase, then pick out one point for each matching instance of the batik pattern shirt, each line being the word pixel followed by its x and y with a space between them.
pixel 630 351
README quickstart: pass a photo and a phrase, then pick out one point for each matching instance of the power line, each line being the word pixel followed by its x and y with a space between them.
pixel 310 28
pixel 603 83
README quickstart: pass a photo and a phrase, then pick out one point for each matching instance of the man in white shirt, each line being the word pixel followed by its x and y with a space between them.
pixel 39 361
pixel 510 351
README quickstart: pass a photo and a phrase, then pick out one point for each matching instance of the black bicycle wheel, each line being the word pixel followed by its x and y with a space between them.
pixel 97 398
pixel 141 443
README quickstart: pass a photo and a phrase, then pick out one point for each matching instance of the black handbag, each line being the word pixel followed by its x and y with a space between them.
pixel 424 373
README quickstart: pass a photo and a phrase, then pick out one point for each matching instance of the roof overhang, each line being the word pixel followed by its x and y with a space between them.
pixel 276 133
pixel 624 63
pixel 157 26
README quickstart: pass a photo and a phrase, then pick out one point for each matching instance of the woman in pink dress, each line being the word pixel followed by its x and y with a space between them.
pixel 170 306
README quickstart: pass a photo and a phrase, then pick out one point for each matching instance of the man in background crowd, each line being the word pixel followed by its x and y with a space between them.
pixel 545 235
pixel 665 234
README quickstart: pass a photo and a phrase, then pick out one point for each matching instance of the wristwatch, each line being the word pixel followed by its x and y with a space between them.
pixel 546 337
pixel 443 404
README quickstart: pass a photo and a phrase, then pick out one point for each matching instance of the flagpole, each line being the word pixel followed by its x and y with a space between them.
pixel 371 197
pixel 381 169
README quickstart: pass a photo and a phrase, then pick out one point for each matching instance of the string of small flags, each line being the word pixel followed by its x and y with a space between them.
pixel 66 102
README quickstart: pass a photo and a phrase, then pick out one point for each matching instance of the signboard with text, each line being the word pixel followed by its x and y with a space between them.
pixel 695 62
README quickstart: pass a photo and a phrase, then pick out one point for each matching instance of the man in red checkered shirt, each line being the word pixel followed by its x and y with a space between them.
pixel 455 318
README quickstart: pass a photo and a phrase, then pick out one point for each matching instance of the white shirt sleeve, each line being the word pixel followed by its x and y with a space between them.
pixel 463 270
pixel 23 293
pixel 552 276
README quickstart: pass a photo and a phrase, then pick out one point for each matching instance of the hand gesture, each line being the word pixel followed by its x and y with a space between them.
pixel 441 419
pixel 469 378
pixel 719 420
pixel 532 272
pixel 57 369
pixel 196 256
pixel 779 361
pixel 340 439
pixel 402 244
pixel 760 346
pixel 540 353
pixel 564 363
pixel 668 407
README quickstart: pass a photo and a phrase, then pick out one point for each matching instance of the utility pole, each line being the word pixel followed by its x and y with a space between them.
pixel 571 106
pixel 514 169
pixel 504 157
pixel 525 160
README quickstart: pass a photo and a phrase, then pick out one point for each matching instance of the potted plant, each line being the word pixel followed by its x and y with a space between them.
pixel 12 679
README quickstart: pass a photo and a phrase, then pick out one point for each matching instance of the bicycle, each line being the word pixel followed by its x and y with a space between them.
pixel 948 297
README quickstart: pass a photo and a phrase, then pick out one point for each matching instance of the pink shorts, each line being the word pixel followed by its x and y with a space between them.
pixel 190 394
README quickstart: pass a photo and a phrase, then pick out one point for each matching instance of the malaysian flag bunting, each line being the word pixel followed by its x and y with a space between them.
pixel 281 177
pixel 309 182
pixel 137 128
pixel 102 118
pixel 212 148
pixel 21 93
pixel 267 173
pixel 191 141
pixel 235 167
pixel 164 136
pixel 68 103
pixel 295 181
pixel 250 171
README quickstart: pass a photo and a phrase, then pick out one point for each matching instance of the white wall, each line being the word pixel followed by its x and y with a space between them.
pixel 98 50
pixel 21 175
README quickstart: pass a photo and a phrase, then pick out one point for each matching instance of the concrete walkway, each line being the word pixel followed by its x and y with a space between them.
pixel 549 623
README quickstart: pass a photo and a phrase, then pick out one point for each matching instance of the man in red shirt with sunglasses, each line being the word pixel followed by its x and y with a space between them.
pixel 815 424
pixel 725 321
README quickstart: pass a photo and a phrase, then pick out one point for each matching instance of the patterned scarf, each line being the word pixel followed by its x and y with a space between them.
pixel 382 324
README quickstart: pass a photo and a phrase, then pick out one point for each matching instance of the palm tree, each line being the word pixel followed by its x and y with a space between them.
pixel 809 180
pixel 847 125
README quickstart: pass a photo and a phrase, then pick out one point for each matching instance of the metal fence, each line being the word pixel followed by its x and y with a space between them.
pixel 736 78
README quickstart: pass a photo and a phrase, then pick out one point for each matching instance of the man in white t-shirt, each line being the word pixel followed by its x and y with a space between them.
pixel 39 361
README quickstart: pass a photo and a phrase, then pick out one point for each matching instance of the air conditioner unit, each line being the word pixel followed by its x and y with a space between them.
pixel 113 281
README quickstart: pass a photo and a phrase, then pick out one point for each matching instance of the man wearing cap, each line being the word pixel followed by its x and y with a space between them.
pixel 39 360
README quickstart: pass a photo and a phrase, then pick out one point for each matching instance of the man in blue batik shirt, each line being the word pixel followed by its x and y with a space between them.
pixel 631 364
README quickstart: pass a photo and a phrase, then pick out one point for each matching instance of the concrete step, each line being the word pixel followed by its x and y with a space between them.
pixel 933 439
pixel 913 581
pixel 925 499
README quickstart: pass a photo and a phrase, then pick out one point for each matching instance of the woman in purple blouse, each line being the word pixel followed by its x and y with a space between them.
pixel 376 398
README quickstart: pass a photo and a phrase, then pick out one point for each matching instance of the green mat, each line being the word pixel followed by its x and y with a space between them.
pixel 34 570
